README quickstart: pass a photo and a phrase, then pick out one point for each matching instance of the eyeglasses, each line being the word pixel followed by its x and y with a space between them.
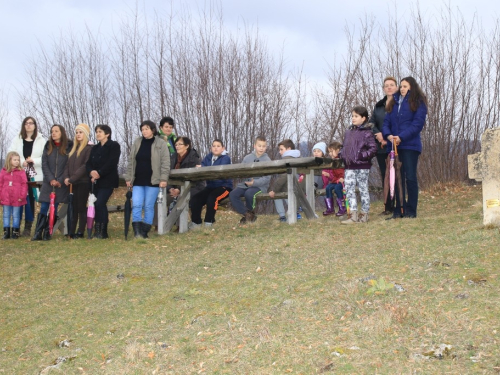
pixel 179 144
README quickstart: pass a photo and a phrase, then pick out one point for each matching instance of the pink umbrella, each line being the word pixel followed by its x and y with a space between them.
pixel 52 212
pixel 90 213
pixel 393 176
pixel 392 173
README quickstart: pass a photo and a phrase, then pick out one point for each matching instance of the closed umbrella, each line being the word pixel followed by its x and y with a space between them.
pixel 344 193
pixel 52 212
pixel 127 211
pixel 69 215
pixel 90 212
pixel 393 177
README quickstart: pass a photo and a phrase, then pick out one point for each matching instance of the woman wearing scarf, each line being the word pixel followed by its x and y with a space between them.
pixel 167 133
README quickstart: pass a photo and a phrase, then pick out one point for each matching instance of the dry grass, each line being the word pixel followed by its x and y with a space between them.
pixel 264 299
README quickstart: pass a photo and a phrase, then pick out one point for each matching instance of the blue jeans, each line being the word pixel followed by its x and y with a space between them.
pixel 13 211
pixel 144 198
pixel 44 208
pixel 337 188
pixel 409 160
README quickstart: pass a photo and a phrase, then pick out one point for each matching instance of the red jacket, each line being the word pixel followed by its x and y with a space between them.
pixel 13 187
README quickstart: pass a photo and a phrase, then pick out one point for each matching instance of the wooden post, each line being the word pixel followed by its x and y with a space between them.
pixel 180 206
pixel 184 217
pixel 301 198
pixel 162 210
pixel 292 200
pixel 310 189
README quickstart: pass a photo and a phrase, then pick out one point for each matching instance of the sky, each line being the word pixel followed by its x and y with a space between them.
pixel 309 33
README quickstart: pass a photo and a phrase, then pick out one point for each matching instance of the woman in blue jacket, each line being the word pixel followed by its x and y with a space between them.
pixel 405 119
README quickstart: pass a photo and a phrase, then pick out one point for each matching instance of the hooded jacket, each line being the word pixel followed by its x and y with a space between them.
pixel 223 159
pixel 260 182
pixel 359 147
pixel 160 161
pixel 36 153
pixel 13 187
pixel 405 123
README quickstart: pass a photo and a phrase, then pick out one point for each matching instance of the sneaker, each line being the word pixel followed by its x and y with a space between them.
pixel 250 217
pixel 243 220
pixel 282 219
pixel 207 224
pixel 299 216
pixel 193 226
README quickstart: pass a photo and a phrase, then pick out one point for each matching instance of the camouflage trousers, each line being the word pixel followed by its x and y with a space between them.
pixel 359 176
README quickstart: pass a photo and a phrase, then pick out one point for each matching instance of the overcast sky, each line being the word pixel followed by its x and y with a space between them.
pixel 309 32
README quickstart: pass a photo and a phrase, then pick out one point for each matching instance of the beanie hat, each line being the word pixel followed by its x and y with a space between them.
pixel 85 129
pixel 320 146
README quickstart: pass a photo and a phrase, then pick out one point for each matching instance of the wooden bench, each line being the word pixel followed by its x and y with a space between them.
pixel 294 194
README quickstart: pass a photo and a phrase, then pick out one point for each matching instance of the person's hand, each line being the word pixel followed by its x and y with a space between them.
pixel 379 137
pixel 53 183
pixel 325 174
pixel 163 184
pixel 129 184
pixel 94 175
pixel 174 192
pixel 66 181
pixel 341 180
pixel 271 194
pixel 198 166
pixel 249 183
pixel 383 143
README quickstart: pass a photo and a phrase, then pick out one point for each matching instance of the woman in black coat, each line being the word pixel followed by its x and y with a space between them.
pixel 102 168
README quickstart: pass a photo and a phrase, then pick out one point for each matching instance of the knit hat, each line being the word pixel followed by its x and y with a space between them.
pixel 85 129
pixel 320 146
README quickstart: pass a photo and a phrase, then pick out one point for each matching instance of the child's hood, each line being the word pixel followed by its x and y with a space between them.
pixel 291 153
pixel 365 126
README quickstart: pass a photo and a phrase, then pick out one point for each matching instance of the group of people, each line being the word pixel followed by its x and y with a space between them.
pixel 59 163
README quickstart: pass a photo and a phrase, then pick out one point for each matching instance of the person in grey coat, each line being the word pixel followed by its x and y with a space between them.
pixel 54 159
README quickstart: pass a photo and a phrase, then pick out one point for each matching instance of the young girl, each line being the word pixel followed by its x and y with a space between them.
pixel 359 149
pixel 13 192
pixel 319 151
pixel 335 184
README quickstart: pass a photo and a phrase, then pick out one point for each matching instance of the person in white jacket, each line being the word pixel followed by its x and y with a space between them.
pixel 29 144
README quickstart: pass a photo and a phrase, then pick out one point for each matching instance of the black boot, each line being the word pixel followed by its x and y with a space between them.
pixel 46 232
pixel 145 228
pixel 104 230
pixel 27 228
pixel 41 220
pixel 97 230
pixel 15 233
pixel 136 226
pixel 6 233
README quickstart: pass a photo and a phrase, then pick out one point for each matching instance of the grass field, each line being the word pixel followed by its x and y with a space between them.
pixel 267 298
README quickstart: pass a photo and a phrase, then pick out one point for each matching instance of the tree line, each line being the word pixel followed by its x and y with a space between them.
pixel 226 84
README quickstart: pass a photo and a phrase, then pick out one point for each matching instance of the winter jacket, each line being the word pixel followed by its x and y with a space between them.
pixel 259 182
pixel 191 160
pixel 36 154
pixel 104 159
pixel 281 183
pixel 13 187
pixel 221 160
pixel 76 169
pixel 359 147
pixel 54 168
pixel 160 161
pixel 335 175
pixel 405 123
pixel 377 119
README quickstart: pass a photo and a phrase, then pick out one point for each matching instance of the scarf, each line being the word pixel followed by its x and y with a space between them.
pixel 180 159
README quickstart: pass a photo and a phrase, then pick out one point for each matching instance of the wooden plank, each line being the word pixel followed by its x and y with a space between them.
pixel 310 191
pixel 162 210
pixel 182 203
pixel 292 200
pixel 247 170
pixel 184 218
pixel 303 201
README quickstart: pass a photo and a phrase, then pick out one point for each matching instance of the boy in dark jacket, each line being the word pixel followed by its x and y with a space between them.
pixel 215 191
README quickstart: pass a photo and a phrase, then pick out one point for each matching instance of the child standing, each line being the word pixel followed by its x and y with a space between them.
pixel 251 187
pixel 14 189
pixel 359 149
pixel 335 184
pixel 215 191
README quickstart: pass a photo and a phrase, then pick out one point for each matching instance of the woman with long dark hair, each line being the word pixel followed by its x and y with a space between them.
pixel 77 177
pixel 405 119
pixel 102 168
pixel 29 144
pixel 54 159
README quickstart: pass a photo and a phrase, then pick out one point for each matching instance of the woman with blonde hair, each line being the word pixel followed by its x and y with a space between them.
pixel 76 175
